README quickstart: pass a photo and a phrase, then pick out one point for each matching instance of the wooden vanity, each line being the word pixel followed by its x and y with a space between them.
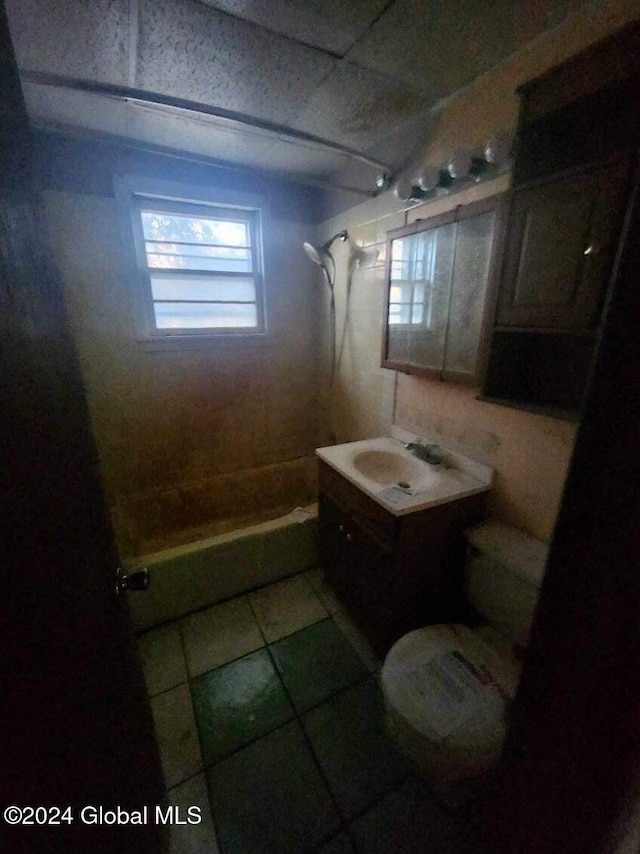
pixel 394 573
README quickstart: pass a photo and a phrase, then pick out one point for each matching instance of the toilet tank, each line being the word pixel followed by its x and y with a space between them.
pixel 503 574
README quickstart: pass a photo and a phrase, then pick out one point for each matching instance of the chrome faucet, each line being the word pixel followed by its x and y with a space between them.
pixel 427 453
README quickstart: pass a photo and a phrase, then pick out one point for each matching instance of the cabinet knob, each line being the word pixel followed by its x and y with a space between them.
pixel 349 538
pixel 341 529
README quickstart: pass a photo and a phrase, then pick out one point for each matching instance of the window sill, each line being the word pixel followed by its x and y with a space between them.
pixel 204 342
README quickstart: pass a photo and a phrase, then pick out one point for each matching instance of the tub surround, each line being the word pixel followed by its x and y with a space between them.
pixel 187 439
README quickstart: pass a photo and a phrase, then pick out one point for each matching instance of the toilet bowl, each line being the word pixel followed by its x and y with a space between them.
pixel 447 688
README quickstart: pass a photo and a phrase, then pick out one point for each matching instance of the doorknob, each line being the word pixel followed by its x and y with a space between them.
pixel 136 581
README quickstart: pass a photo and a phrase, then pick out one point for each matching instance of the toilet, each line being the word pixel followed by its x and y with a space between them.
pixel 447 688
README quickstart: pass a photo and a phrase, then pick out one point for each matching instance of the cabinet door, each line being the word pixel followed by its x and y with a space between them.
pixel 419 287
pixel 472 271
pixel 335 557
pixel 560 245
pixel 375 586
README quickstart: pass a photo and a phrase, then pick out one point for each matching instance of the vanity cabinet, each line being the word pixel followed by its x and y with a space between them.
pixel 394 573
pixel 438 275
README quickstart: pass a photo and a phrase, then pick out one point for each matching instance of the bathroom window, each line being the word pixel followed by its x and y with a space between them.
pixel 200 262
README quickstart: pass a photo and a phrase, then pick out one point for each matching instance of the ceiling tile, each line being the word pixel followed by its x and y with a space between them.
pixel 70 37
pixel 219 140
pixel 400 144
pixel 438 47
pixel 355 174
pixel 51 107
pixel 333 25
pixel 292 157
pixel 359 108
pixel 192 51
pixel 66 107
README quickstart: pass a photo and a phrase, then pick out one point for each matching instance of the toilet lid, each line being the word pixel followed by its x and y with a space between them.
pixel 450 686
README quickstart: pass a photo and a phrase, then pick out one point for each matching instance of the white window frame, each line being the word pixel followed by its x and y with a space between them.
pixel 132 193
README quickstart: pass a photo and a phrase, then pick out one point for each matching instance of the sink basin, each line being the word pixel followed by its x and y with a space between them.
pixel 385 470
pixel 389 469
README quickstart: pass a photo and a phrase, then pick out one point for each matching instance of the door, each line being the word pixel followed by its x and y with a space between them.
pixel 76 724
pixel 560 245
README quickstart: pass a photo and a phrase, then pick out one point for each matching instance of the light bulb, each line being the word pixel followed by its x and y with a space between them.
pixel 460 164
pixel 404 190
pixel 428 178
pixel 498 148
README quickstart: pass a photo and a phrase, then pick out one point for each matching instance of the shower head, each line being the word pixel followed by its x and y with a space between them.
pixel 313 254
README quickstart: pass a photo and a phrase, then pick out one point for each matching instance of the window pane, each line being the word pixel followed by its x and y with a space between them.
pixel 399 314
pixel 187 261
pixel 198 250
pixel 198 288
pixel 418 292
pixel 399 270
pixel 157 225
pixel 204 315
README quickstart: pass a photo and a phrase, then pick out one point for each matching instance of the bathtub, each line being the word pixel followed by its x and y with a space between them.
pixel 192 576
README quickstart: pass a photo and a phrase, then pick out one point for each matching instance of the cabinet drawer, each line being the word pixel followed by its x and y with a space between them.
pixel 377 522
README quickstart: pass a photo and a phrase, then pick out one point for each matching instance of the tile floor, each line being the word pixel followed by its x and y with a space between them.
pixel 269 717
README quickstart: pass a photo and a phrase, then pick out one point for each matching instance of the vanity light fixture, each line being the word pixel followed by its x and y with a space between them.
pixel 464 167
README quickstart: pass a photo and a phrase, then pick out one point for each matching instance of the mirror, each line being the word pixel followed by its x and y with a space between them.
pixel 438 275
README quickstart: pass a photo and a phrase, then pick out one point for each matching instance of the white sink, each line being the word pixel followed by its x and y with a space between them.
pixel 389 468
pixel 401 483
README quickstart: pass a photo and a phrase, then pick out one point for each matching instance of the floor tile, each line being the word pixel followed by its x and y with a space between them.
pixel 176 733
pixel 324 592
pixel 315 578
pixel 357 640
pixel 410 820
pixel 192 838
pixel 220 634
pixel 238 703
pixel 315 663
pixel 286 607
pixel 162 659
pixel 348 737
pixel 340 844
pixel 270 797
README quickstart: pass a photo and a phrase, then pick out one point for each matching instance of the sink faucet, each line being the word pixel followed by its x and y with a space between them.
pixel 427 453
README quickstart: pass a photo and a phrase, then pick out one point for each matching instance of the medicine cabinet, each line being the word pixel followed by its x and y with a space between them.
pixel 438 297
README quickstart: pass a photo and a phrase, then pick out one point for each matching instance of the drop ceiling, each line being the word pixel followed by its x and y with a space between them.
pixel 359 73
